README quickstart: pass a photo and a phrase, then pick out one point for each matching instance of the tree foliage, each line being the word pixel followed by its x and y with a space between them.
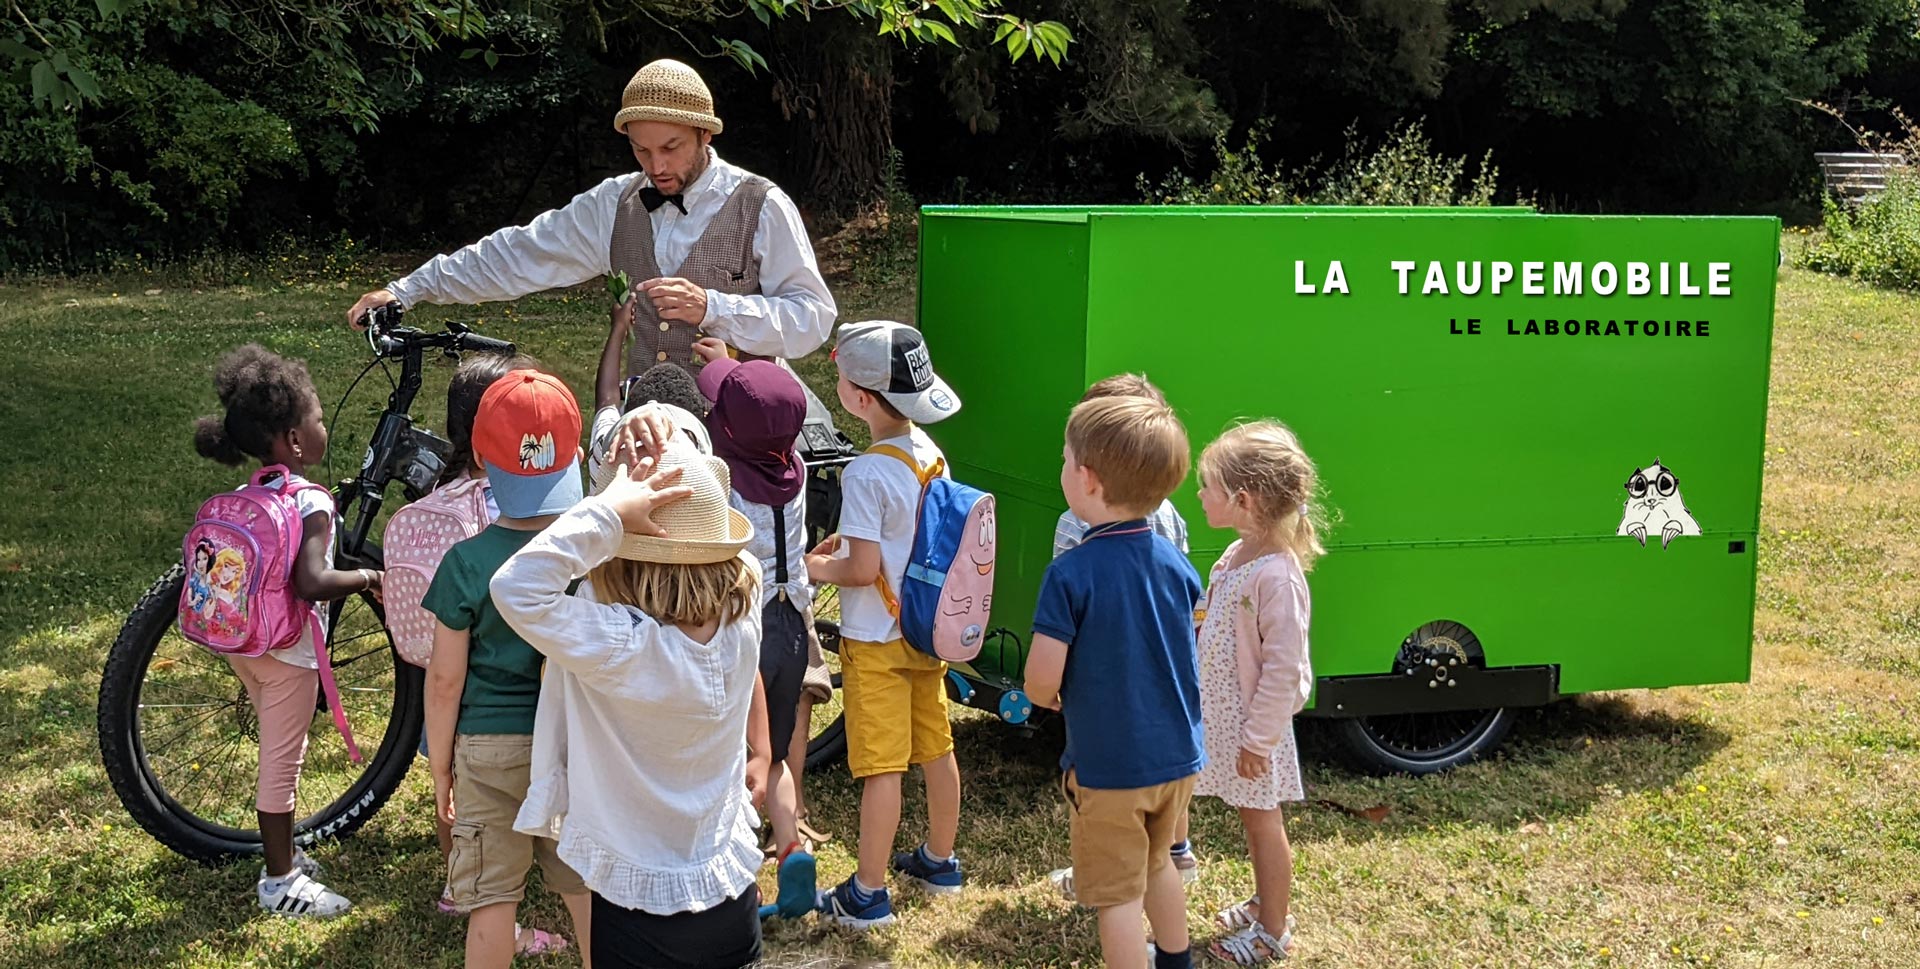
pixel 160 114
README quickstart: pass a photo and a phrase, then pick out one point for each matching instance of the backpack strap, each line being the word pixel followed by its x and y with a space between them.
pixel 925 477
pixel 324 655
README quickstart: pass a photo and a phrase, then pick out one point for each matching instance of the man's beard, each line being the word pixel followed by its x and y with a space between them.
pixel 699 168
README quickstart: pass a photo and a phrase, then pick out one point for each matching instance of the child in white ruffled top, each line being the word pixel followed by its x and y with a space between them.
pixel 640 753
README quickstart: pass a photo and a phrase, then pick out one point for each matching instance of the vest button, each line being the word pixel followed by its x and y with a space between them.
pixel 663 326
pixel 662 355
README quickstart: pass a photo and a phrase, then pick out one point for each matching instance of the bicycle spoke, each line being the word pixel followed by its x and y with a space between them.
pixel 180 733
pixel 343 664
pixel 198 778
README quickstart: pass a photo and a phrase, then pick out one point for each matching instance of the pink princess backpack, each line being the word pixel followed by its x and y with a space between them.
pixel 238 598
pixel 417 538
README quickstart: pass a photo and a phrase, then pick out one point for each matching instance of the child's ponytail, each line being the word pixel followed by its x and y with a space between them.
pixel 211 440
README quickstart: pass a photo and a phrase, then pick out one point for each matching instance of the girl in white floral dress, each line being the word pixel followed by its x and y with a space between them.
pixel 1254 670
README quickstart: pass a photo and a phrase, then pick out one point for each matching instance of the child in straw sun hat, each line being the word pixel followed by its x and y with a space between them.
pixel 638 765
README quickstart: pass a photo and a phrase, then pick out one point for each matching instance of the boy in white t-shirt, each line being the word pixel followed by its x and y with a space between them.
pixel 895 695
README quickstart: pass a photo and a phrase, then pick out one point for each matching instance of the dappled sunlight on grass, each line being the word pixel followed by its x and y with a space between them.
pixel 1775 823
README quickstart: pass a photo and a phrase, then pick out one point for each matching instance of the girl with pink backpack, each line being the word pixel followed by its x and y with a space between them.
pixel 273 416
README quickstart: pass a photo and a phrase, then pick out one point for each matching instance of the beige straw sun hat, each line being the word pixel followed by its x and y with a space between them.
pixel 701 528
pixel 669 91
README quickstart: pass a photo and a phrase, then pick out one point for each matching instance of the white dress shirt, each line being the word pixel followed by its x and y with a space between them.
pixel 571 245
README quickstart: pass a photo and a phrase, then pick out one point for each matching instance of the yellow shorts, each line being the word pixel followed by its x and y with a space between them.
pixel 896 702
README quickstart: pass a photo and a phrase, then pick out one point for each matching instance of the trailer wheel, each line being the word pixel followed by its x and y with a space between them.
pixel 1426 743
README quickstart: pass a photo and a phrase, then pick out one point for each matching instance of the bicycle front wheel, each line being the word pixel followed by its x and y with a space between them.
pixel 180 741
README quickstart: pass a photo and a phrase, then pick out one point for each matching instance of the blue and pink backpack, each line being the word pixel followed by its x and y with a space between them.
pixel 947 593
pixel 238 598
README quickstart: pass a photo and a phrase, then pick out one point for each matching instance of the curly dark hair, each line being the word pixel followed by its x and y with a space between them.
pixel 668 383
pixel 264 395
pixel 477 372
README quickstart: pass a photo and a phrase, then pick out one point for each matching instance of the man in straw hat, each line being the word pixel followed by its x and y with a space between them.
pixel 714 250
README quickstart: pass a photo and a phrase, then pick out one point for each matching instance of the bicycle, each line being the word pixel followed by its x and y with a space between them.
pixel 178 738
pixel 196 802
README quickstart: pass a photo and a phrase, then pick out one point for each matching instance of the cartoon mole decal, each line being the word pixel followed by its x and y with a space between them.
pixel 1654 505
pixel 966 599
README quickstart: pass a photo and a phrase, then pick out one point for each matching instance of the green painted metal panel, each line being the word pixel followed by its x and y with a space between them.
pixel 1477 477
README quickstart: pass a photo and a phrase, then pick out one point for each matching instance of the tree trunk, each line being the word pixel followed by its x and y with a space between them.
pixel 840 90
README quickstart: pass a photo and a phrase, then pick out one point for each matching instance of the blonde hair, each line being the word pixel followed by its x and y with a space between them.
pixel 678 595
pixel 1124 385
pixel 1264 459
pixel 1137 447
pixel 225 557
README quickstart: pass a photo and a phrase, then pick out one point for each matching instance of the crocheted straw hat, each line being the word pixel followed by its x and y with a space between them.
pixel 667 90
pixel 701 528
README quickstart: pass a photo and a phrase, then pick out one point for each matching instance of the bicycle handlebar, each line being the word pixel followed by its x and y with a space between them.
pixel 389 339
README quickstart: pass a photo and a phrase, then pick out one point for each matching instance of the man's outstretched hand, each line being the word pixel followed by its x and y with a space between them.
pixel 357 316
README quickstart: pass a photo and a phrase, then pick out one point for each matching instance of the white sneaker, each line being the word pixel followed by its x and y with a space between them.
pixel 1062 878
pixel 299 896
pixel 301 863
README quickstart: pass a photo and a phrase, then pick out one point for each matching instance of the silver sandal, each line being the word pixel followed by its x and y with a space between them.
pixel 1252 946
pixel 1237 916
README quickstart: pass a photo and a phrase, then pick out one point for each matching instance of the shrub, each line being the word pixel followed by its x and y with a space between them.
pixel 1403 170
pixel 1877 241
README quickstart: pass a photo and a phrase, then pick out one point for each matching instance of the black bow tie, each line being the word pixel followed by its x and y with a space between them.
pixel 653 198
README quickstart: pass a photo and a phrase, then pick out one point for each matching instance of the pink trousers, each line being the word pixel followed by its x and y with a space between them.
pixel 285 697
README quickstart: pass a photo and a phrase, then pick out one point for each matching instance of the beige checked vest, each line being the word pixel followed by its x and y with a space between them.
pixel 721 259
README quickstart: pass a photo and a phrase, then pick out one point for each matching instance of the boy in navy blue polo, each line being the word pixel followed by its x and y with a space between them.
pixel 1113 650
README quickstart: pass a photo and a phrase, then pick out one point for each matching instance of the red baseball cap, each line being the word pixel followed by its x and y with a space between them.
pixel 526 434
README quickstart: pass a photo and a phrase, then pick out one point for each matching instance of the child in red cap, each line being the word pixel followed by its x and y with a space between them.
pixel 483 683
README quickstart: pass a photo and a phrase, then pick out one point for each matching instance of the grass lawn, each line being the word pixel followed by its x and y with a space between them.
pixel 1775 823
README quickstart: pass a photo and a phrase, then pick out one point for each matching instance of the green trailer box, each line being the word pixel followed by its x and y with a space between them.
pixel 1541 436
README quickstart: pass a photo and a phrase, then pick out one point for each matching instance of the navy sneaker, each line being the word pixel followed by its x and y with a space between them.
pixel 852 907
pixel 935 877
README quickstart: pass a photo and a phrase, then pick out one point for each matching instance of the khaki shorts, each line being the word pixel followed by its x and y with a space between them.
pixel 896 702
pixel 490 860
pixel 1121 837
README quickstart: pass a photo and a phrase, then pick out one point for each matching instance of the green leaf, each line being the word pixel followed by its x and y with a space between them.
pixel 15 49
pixel 84 83
pixel 940 30
pixel 60 62
pixel 492 58
pixel 45 81
pixel 470 53
pixel 1018 43
pixel 761 13
pixel 745 54
pixel 107 8
pixel 1006 27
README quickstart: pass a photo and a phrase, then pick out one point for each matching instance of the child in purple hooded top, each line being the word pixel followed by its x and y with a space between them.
pixel 758 407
